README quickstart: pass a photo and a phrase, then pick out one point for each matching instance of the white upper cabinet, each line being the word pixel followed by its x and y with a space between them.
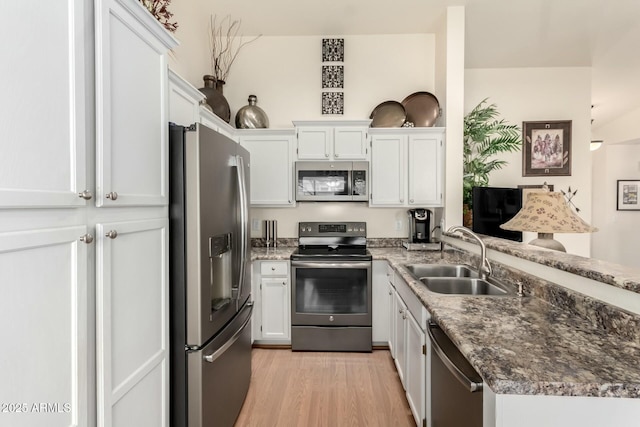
pixel 339 140
pixel 388 170
pixel 43 108
pixel 132 105
pixel 184 101
pixel 271 181
pixel 407 167
pixel 425 161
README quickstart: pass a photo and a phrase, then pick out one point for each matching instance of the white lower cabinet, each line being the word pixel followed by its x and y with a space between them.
pixel 415 378
pixel 132 322
pixel 391 318
pixel 272 302
pixel 44 327
pixel 408 344
pixel 380 303
pixel 401 337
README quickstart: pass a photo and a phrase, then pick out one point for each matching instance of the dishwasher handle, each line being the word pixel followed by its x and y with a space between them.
pixel 448 352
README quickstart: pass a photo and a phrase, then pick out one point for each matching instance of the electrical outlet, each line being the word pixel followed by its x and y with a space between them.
pixel 398 225
pixel 255 224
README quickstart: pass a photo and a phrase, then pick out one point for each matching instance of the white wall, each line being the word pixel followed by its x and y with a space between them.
pixel 623 129
pixel 285 73
pixel 455 95
pixel 619 237
pixel 381 222
pixel 532 94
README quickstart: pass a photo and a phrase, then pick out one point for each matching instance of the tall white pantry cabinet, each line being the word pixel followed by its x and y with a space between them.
pixel 83 215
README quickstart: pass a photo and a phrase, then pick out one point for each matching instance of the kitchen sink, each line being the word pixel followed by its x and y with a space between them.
pixel 440 270
pixel 465 286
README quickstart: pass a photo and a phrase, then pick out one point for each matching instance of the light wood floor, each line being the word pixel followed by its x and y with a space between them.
pixel 310 389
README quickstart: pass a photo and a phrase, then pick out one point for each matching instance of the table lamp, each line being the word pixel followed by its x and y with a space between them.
pixel 546 213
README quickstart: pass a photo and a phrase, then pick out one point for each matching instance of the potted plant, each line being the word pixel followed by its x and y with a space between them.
pixel 159 10
pixel 485 135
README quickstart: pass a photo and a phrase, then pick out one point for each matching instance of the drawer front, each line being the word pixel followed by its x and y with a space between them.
pixel 274 268
pixel 390 273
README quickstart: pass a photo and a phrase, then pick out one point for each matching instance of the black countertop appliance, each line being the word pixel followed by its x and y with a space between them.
pixel 419 225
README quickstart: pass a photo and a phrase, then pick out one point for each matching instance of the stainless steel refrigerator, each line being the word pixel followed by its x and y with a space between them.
pixel 210 277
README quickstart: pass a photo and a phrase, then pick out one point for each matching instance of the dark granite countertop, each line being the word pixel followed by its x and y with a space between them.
pixel 520 345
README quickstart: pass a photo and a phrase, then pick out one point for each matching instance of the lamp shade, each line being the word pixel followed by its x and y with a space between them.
pixel 547 212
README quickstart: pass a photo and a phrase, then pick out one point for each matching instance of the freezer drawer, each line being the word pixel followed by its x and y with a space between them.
pixel 219 375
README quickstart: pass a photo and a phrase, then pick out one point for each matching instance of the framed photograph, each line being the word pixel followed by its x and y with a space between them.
pixel 526 189
pixel 546 148
pixel 627 199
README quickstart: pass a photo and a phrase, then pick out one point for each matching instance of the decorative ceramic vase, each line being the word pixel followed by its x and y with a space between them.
pixel 216 100
pixel 251 116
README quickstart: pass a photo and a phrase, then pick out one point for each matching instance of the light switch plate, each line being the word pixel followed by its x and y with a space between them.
pixel 255 224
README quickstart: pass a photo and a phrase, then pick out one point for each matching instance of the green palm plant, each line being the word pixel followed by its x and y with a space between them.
pixel 485 136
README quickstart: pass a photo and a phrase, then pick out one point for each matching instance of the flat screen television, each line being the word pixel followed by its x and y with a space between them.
pixel 493 206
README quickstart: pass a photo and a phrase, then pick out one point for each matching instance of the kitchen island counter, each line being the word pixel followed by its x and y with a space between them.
pixel 526 345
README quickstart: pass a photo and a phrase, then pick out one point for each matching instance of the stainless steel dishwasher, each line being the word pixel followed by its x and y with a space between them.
pixel 456 388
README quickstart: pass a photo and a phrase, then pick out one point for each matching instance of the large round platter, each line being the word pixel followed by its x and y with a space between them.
pixel 423 109
pixel 389 114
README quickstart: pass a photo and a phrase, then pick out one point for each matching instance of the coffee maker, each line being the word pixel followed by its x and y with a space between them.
pixel 419 225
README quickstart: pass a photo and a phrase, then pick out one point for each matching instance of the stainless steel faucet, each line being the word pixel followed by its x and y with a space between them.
pixel 484 268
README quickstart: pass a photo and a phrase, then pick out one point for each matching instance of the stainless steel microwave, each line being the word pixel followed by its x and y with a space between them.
pixel 324 181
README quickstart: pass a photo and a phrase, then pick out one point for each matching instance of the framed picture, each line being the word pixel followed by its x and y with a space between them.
pixel 627 199
pixel 526 189
pixel 546 149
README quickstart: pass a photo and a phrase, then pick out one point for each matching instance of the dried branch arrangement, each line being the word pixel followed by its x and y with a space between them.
pixel 225 44
pixel 158 9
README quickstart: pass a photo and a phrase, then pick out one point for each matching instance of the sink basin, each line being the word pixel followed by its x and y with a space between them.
pixel 440 270
pixel 465 286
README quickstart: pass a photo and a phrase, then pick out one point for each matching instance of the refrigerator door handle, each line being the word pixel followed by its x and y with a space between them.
pixel 242 189
pixel 219 352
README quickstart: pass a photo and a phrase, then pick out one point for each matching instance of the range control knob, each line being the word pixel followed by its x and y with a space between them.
pixel 331 319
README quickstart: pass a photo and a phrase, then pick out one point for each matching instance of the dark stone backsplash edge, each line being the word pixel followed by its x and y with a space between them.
pixel 610 273
pixel 604 317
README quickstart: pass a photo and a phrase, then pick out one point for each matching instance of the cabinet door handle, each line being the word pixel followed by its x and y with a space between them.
pixel 284 283
pixel 113 195
pixel 404 316
pixel 87 238
pixel 86 194
pixel 335 155
pixel 401 200
pixel 326 154
pixel 390 293
pixel 112 234
pixel 410 200
pixel 273 269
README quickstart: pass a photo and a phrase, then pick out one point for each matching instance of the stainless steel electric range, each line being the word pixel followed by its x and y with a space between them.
pixel 331 288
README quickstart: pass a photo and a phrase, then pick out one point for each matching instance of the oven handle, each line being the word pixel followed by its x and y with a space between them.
pixel 331 264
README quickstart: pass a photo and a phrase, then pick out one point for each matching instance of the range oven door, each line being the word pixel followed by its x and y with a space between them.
pixel 331 293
